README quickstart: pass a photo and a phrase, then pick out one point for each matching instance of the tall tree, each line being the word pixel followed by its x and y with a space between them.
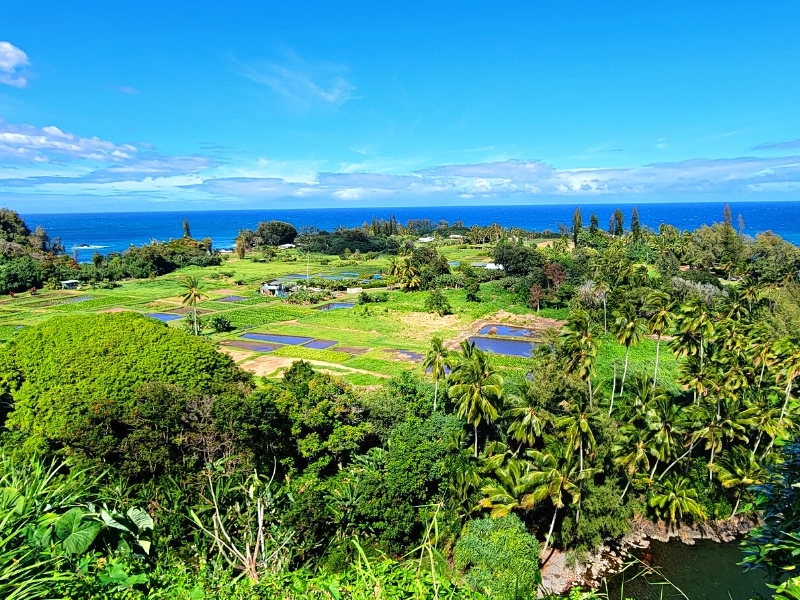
pixel 436 361
pixel 527 418
pixel 580 344
pixel 476 389
pixel 660 308
pixel 577 226
pixel 629 328
pixel 191 296
pixel 594 225
pixel 619 223
pixel 554 478
pixel 636 228
pixel 789 356
pixel 187 232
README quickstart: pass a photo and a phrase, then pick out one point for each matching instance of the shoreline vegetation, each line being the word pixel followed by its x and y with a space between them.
pixel 181 423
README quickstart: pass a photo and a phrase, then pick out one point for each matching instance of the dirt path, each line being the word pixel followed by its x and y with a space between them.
pixel 266 365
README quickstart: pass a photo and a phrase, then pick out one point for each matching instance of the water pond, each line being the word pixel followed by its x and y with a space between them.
pixel 503 346
pixel 293 340
pixel 254 346
pixel 321 344
pixel 334 305
pixel 705 570
pixel 165 317
pixel 232 299
pixel 508 330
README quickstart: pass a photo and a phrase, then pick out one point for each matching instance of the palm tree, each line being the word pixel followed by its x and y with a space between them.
pixel 190 297
pixel 761 351
pixel 577 427
pixel 510 488
pixel 553 479
pixel 676 497
pixel 661 318
pixel 738 469
pixel 667 423
pixel 527 419
pixel 789 363
pixel 630 452
pixel 695 325
pixel 436 361
pixel 766 420
pixel 581 344
pixel 475 388
pixel 630 329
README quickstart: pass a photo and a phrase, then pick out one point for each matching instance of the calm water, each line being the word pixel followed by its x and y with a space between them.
pixel 704 571
pixel 114 232
pixel 503 346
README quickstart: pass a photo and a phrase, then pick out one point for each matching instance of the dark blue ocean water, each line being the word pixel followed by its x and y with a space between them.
pixel 114 232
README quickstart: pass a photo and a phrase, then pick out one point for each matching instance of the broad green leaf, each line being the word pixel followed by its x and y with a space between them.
pixel 76 537
pixel 140 517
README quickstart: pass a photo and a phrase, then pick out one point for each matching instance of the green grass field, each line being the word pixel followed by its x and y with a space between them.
pixel 375 332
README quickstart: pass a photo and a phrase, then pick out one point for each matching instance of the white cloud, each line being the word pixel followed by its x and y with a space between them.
pixel 12 61
pixel 25 143
pixel 303 84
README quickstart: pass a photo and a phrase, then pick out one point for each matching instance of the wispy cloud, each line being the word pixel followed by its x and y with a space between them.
pixel 794 144
pixel 12 63
pixel 126 89
pixel 303 84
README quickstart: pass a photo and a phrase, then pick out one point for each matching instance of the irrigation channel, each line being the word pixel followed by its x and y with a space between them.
pixel 707 570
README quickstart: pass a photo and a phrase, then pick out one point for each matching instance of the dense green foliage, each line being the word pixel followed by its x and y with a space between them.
pixel 95 384
pixel 668 392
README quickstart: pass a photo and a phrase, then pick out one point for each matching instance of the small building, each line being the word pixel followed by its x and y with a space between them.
pixel 426 240
pixel 493 267
pixel 286 246
pixel 70 284
pixel 355 290
pixel 273 288
pixel 456 237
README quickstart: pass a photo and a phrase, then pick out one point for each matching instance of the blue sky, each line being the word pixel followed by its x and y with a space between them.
pixel 192 105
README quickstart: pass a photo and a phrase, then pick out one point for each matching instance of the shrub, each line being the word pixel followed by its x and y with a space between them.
pixel 500 557
pixel 75 382
pixel 437 303
pixel 221 324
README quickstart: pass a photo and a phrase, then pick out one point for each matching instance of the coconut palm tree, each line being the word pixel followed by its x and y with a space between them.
pixel 676 497
pixel 766 419
pixel 527 418
pixel 629 328
pixel 695 324
pixel 553 479
pixel 789 364
pixel 581 343
pixel 761 352
pixel 476 389
pixel 667 422
pixel 630 451
pixel 577 427
pixel 738 469
pixel 436 360
pixel 191 296
pixel 661 318
pixel 511 487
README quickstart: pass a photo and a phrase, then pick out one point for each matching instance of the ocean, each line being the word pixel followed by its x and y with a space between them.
pixel 115 232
